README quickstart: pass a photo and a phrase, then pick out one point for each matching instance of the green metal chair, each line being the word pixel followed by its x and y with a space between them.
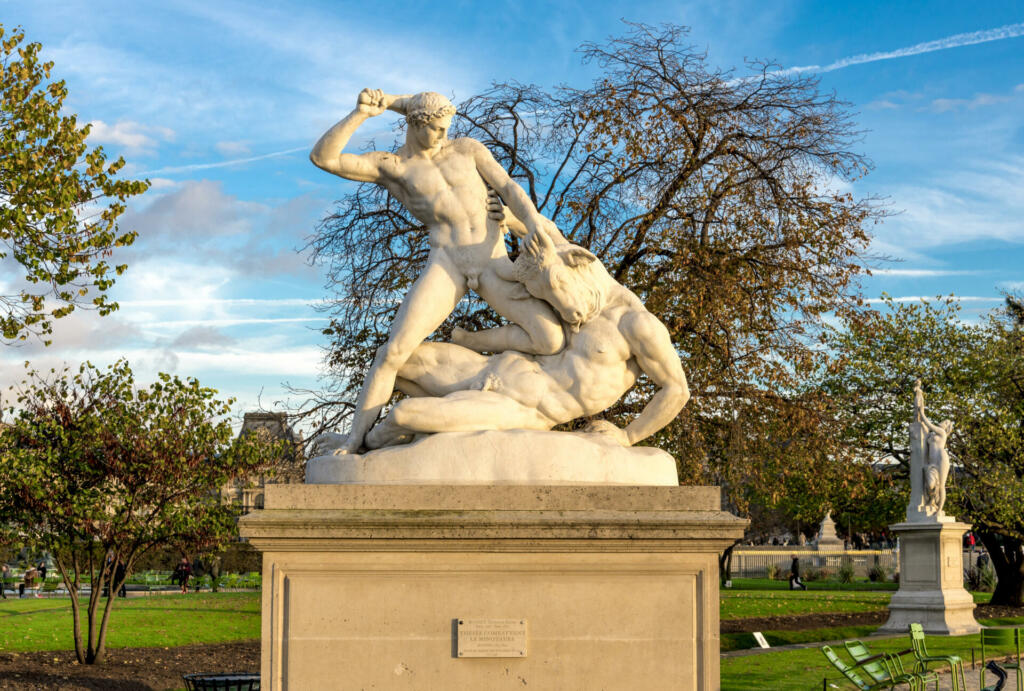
pixel 923 659
pixel 885 666
pixel 848 672
pixel 1004 641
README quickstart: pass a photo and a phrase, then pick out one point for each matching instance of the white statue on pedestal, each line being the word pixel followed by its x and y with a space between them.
pixel 577 341
pixel 929 464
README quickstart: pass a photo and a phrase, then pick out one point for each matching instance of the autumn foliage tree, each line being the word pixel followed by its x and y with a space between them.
pixel 59 200
pixel 98 471
pixel 709 193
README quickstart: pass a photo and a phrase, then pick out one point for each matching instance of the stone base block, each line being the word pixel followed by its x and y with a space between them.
pixel 501 457
pixel 931 580
pixel 615 587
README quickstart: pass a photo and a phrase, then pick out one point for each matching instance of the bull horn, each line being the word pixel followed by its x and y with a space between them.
pixel 545 242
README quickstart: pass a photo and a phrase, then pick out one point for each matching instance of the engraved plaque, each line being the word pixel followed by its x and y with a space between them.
pixel 492 638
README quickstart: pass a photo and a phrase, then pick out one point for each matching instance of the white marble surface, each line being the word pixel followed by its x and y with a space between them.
pixel 929 465
pixel 576 341
pixel 517 457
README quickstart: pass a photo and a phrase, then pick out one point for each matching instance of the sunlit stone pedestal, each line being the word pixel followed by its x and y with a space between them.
pixel 363 585
pixel 932 589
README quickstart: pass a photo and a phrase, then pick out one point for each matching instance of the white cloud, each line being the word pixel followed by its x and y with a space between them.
pixel 192 210
pixel 202 337
pixel 882 104
pixel 943 105
pixel 220 302
pixel 157 184
pixel 933 298
pixel 133 136
pixel 233 148
pixel 922 273
pixel 985 200
pixel 238 321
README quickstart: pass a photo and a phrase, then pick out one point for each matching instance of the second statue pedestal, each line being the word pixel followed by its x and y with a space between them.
pixel 440 587
pixel 931 580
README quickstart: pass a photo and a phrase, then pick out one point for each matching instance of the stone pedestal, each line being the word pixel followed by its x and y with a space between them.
pixel 615 587
pixel 931 580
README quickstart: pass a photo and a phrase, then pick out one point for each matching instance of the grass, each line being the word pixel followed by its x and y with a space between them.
pixel 805 668
pixel 767 598
pixel 770 584
pixel 154 621
pixel 770 603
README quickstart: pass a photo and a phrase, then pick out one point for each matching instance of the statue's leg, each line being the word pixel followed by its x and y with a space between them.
pixel 428 303
pixel 466 411
pixel 433 369
pixel 387 433
pixel 438 369
pixel 535 328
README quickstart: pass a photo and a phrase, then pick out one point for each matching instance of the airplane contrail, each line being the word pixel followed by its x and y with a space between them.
pixel 220 164
pixel 955 41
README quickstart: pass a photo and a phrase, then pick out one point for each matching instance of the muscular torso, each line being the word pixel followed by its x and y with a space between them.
pixel 447 194
pixel 591 374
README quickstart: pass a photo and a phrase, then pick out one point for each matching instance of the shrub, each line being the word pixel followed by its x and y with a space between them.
pixel 845 573
pixel 982 580
pixel 878 574
pixel 988 578
pixel 817 574
pixel 774 572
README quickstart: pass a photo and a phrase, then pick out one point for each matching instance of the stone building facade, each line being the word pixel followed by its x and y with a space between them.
pixel 248 491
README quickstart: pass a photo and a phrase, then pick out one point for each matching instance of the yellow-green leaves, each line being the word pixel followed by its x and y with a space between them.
pixel 40 193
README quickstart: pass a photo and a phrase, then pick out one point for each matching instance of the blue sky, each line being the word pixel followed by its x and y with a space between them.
pixel 218 103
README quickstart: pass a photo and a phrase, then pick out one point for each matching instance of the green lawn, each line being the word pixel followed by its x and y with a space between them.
pixel 153 621
pixel 805 668
pixel 765 598
pixel 770 603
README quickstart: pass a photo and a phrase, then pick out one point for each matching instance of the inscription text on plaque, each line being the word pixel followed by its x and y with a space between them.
pixel 492 638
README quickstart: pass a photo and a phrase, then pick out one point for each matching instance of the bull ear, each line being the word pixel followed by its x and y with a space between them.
pixel 577 256
pixel 519 292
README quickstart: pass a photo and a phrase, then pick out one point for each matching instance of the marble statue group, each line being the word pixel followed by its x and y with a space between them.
pixel 575 340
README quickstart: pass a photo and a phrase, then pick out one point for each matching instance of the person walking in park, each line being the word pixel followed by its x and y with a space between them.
pixel 28 582
pixel 794 575
pixel 5 571
pixel 181 574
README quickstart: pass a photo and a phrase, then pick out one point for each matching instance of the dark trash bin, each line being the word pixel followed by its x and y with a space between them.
pixel 222 682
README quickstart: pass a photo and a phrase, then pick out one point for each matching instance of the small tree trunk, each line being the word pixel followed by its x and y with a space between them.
pixel 1008 560
pixel 101 637
pixel 94 601
pixel 71 583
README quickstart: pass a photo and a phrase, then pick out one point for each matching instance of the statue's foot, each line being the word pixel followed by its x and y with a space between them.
pixel 332 444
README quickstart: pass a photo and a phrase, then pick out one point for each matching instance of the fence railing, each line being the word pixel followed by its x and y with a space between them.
pixel 755 563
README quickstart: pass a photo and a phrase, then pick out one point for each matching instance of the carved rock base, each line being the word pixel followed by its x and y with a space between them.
pixel 616 588
pixel 511 457
pixel 931 580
